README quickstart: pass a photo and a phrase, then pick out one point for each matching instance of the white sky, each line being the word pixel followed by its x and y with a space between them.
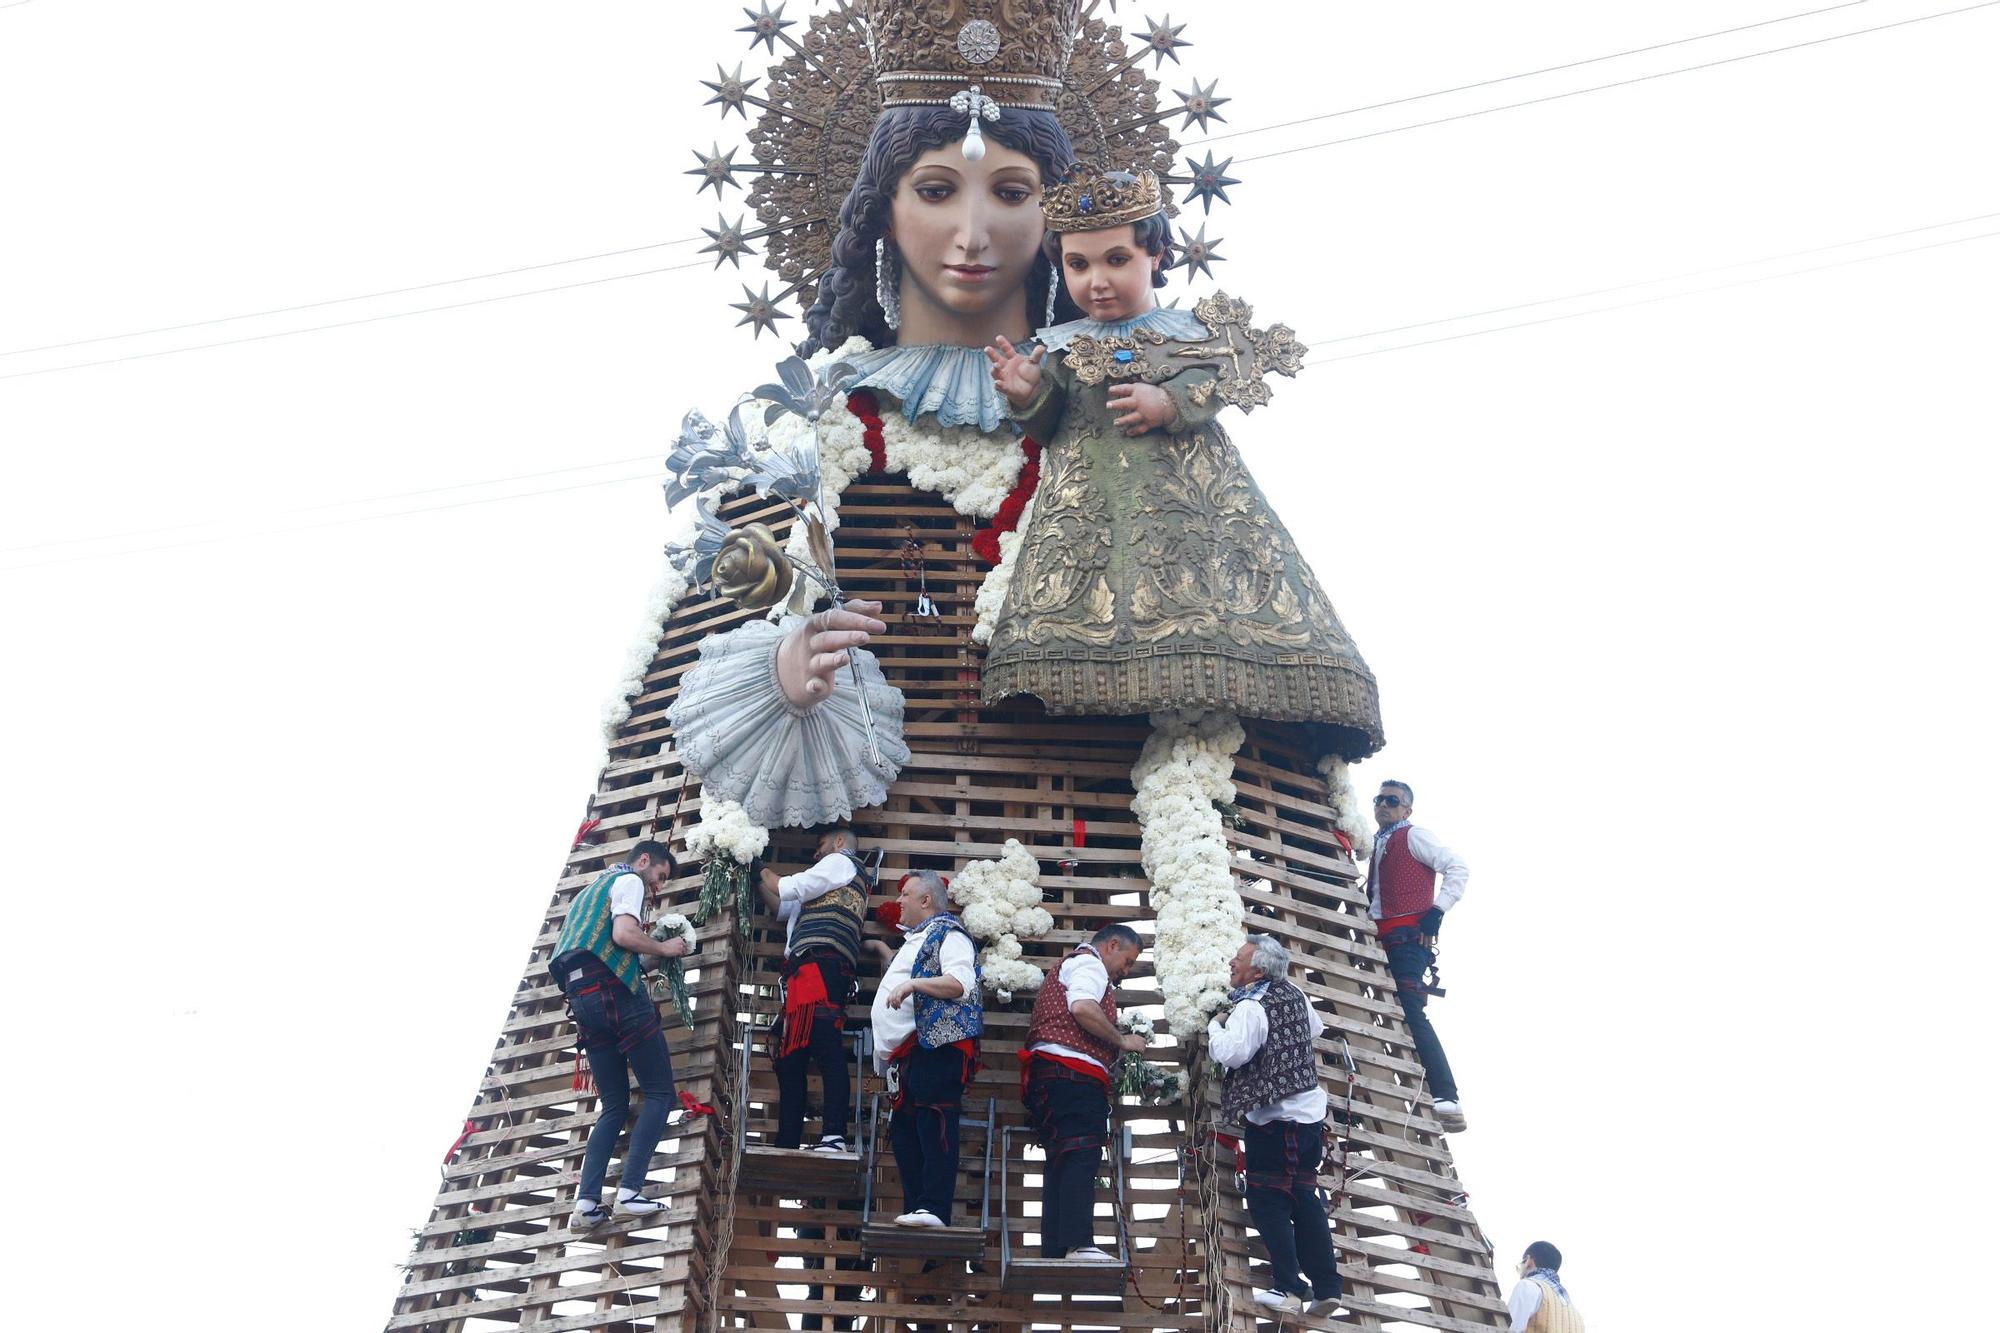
pixel 1674 607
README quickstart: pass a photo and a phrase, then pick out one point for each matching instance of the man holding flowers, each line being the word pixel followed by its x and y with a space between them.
pixel 597 964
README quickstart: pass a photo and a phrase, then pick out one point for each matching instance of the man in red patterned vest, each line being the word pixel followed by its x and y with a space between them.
pixel 1073 1042
pixel 1408 904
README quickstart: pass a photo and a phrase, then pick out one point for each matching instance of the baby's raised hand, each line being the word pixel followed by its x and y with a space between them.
pixel 1141 407
pixel 1017 377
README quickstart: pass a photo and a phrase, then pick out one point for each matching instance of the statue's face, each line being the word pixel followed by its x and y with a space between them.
pixel 969 234
pixel 1109 274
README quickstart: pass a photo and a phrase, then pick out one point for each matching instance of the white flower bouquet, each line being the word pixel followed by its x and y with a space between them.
pixel 671 976
pixel 728 843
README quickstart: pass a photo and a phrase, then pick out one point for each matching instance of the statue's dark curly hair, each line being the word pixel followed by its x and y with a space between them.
pixel 1152 234
pixel 846 304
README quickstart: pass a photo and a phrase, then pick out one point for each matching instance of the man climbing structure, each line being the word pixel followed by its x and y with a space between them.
pixel 822 908
pixel 597 964
pixel 1408 902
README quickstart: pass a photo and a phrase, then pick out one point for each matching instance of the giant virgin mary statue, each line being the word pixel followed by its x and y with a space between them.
pixel 901 163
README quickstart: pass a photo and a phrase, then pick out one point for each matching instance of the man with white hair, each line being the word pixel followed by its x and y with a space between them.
pixel 1271 1082
pixel 927 1019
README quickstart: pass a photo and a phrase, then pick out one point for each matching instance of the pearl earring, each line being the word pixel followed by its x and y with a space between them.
pixel 887 285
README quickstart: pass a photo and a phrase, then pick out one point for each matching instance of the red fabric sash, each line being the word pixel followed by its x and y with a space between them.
pixel 805 993
pixel 1083 1067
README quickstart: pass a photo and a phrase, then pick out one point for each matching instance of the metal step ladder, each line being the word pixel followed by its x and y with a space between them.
pixel 1020 1273
pixel 794 1172
pixel 882 1238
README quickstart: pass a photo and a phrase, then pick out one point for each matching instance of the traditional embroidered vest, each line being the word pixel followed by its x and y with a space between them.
pixel 1052 1020
pixel 587 926
pixel 1284 1064
pixel 1554 1314
pixel 833 920
pixel 1407 887
pixel 942 1022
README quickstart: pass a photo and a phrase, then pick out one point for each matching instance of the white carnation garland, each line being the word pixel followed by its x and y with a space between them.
pixel 993 588
pixel 1000 903
pixel 1348 815
pixel 1183 774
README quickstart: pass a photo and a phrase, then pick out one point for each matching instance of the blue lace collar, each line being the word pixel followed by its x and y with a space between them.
pixel 1169 320
pixel 952 383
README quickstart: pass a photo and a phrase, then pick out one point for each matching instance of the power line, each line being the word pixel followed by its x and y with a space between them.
pixel 334 504
pixel 689 240
pixel 352 323
pixel 1621 83
pixel 1318 361
pixel 1651 282
pixel 330 523
pixel 1526 74
pixel 343 300
pixel 1651 300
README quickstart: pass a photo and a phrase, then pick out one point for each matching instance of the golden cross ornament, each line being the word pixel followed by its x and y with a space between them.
pixel 1240 355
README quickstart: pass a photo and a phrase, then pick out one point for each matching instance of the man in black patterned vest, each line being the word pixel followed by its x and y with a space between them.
pixel 822 908
pixel 1271 1083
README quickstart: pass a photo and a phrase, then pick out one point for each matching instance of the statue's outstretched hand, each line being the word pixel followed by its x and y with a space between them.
pixel 812 652
pixel 1017 377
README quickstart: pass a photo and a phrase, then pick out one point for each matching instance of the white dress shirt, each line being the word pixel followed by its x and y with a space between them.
pixel 1523 1302
pixel 1423 845
pixel 628 897
pixel 794 891
pixel 894 1026
pixel 1232 1044
pixel 1084 979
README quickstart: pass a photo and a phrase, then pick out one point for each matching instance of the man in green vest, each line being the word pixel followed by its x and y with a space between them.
pixel 597 964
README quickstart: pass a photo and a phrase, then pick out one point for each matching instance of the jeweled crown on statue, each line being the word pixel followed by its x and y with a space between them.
pixel 1090 198
pixel 1016 50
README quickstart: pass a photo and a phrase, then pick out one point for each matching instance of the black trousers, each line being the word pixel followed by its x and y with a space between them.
pixel 1281 1172
pixel 1408 958
pixel 924 1129
pixel 1071 1113
pixel 827 1051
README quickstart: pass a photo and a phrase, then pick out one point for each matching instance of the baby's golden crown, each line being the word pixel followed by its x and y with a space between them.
pixel 1090 199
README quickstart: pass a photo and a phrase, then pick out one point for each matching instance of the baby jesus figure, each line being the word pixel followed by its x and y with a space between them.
pixel 1152 573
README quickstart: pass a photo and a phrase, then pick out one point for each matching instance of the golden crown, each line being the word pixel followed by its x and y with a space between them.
pixel 1017 51
pixel 1089 199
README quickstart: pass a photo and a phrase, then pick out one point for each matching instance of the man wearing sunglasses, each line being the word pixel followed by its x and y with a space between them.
pixel 1408 904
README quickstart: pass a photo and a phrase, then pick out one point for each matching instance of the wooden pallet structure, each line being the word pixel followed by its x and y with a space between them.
pixel 753 1242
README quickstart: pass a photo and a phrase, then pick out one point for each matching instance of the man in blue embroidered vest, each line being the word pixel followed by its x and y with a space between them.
pixel 822 908
pixel 927 1020
pixel 1408 904
pixel 1271 1083
pixel 597 964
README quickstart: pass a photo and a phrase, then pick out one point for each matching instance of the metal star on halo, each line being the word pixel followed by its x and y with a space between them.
pixel 759 311
pixel 1164 39
pixel 729 242
pixel 765 26
pixel 1210 178
pixel 1197 252
pixel 1201 103
pixel 730 90
pixel 717 167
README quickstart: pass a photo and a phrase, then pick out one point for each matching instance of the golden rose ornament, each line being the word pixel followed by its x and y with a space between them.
pixel 751 568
